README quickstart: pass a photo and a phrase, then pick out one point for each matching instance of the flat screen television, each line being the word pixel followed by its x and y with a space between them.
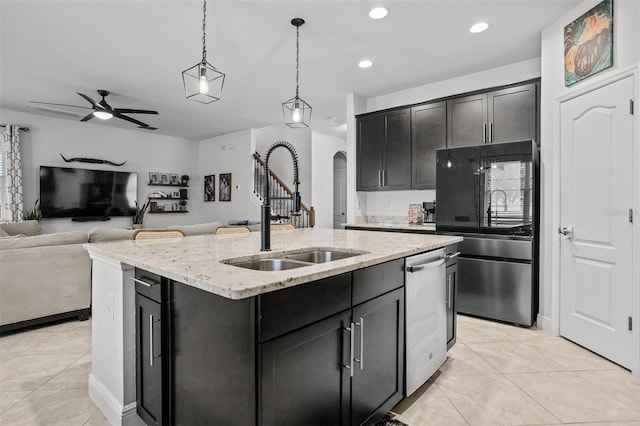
pixel 85 194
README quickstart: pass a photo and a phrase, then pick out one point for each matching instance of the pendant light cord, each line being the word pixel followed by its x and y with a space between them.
pixel 204 32
pixel 297 57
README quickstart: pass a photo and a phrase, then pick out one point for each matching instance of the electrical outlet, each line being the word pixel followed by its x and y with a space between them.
pixel 110 307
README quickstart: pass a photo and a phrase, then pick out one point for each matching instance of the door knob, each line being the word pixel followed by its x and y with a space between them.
pixel 566 232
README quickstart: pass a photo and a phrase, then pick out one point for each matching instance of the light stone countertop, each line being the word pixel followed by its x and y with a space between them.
pixel 198 260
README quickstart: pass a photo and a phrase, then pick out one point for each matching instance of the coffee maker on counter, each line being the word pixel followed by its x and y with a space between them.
pixel 429 212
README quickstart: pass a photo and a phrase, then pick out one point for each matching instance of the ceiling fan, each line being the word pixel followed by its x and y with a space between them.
pixel 104 111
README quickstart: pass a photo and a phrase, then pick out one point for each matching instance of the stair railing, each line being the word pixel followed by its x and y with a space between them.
pixel 280 197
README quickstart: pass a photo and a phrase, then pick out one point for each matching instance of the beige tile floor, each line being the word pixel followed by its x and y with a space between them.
pixel 498 374
pixel 495 375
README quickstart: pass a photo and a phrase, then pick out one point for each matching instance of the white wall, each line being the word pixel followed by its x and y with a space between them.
pixel 144 152
pixel 230 153
pixel 626 40
pixel 323 149
pixel 396 203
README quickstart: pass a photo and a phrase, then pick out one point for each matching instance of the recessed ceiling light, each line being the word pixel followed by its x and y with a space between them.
pixel 479 27
pixel 378 13
pixel 365 63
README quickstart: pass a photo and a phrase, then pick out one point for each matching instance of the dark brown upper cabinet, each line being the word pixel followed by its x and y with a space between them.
pixel 503 115
pixel 428 133
pixel 384 151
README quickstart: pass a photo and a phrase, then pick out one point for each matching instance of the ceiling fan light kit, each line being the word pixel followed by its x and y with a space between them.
pixel 296 111
pixel 203 82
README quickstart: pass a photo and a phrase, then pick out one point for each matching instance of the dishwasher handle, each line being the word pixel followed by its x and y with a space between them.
pixel 428 265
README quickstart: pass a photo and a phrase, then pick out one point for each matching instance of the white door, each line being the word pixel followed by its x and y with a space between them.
pixel 595 198
pixel 339 190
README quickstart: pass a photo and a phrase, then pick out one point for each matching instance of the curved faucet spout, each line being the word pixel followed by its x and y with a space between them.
pixel 266 203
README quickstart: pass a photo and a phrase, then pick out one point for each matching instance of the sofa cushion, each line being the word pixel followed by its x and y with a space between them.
pixel 200 228
pixel 100 234
pixel 57 239
pixel 26 227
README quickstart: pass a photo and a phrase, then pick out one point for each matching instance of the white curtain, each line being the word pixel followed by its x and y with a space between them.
pixel 12 197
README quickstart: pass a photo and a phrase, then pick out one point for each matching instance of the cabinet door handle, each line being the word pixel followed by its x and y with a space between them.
pixel 449 291
pixel 379 178
pixel 361 359
pixel 484 133
pixel 149 283
pixel 351 345
pixel 491 131
pixel 384 177
pixel 151 340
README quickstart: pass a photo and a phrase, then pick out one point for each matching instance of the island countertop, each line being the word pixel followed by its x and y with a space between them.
pixel 199 260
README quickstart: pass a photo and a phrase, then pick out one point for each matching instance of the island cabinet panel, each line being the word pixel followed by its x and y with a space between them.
pixel 428 134
pixel 378 376
pixel 304 381
pixel 376 280
pixel 152 345
pixel 291 308
pixel 451 292
pixel 214 358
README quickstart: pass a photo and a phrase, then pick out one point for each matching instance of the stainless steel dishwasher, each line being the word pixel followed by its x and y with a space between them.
pixel 426 317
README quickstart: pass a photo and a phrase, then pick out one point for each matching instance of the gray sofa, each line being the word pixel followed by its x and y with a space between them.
pixel 47 277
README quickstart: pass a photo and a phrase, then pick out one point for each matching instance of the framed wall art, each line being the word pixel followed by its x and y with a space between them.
pixel 225 186
pixel 210 188
pixel 588 43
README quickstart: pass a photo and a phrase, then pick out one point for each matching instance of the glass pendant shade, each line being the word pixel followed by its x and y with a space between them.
pixel 203 83
pixel 297 113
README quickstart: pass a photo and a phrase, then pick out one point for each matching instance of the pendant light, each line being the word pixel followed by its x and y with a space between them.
pixel 297 113
pixel 203 82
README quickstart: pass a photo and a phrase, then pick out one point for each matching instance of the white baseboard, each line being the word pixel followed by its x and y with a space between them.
pixel 115 413
pixel 545 323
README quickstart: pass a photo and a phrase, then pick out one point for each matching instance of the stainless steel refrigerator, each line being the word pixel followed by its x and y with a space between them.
pixel 489 194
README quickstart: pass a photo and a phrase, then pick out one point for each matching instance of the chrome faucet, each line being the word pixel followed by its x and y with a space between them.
pixel 265 225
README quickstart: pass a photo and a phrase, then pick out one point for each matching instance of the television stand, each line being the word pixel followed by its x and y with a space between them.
pixel 90 219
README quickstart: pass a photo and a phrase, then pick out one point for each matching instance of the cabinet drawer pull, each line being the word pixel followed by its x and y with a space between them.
pixel 149 283
pixel 151 340
pixel 361 359
pixel 351 344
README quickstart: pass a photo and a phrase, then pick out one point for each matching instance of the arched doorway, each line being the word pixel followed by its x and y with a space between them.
pixel 339 189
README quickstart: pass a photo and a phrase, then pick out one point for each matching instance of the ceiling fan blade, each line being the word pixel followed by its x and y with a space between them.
pixel 91 101
pixel 51 103
pixel 131 120
pixel 133 111
pixel 87 117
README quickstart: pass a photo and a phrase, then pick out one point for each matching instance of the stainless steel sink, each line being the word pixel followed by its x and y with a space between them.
pixel 321 256
pixel 292 260
pixel 270 264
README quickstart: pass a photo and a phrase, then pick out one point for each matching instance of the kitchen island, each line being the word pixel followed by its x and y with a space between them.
pixel 222 331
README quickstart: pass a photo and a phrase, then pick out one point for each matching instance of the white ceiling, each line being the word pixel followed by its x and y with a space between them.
pixel 137 49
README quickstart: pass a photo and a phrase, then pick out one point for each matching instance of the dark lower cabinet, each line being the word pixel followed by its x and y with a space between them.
pixel 329 352
pixel 378 376
pixel 304 381
pixel 151 349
